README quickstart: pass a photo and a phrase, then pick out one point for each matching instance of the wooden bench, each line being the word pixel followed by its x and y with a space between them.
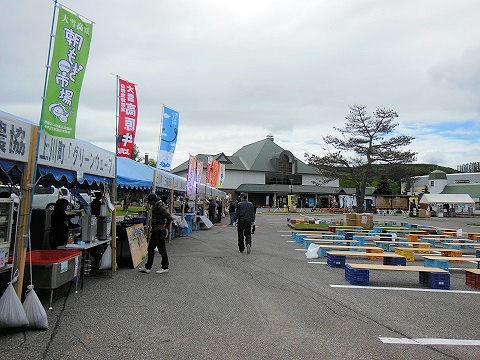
pixel 323 249
pixel 455 245
pixel 443 261
pixel 409 252
pixel 435 278
pixel 386 245
pixel 472 278
pixel 337 258
pixel 308 241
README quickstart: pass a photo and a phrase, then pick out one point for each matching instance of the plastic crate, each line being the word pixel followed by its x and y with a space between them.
pixel 360 239
pixel 477 253
pixel 357 276
pixel 435 280
pixel 336 261
pixel 442 264
pixel 394 261
pixel 472 279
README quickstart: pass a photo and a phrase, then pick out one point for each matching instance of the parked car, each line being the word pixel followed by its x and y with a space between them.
pixel 10 192
pixel 45 197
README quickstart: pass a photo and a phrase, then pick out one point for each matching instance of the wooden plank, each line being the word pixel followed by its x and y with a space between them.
pixel 475 245
pixel 454 258
pixel 349 247
pixel 397 268
pixel 473 271
pixel 363 254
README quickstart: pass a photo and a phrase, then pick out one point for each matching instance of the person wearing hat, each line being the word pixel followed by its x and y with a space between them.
pixel 160 220
pixel 245 215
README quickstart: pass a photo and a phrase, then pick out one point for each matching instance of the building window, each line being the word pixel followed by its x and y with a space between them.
pixel 432 183
pixel 285 179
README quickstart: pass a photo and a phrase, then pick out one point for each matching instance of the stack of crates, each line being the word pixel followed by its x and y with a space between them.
pixel 472 278
pixel 435 280
pixel 400 261
pixel 335 261
pixel 357 276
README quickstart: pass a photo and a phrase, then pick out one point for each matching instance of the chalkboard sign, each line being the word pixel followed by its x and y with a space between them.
pixel 137 242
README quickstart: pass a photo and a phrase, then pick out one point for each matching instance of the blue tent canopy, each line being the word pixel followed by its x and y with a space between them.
pixel 132 174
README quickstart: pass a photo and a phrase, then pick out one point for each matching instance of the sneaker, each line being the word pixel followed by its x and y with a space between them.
pixel 248 249
pixel 144 270
pixel 161 271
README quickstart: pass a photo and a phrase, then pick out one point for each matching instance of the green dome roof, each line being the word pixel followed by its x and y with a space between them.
pixel 437 175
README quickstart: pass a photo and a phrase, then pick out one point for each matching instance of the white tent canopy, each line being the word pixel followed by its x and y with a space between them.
pixel 446 199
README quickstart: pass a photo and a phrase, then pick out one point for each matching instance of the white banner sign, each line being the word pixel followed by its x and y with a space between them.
pixel 75 155
pixel 14 138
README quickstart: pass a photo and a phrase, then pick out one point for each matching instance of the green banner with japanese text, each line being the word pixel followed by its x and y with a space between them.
pixel 67 68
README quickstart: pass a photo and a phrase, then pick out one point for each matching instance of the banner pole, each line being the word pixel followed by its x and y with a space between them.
pixel 23 239
pixel 114 186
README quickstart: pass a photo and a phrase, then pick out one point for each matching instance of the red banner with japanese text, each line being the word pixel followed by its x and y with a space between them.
pixel 215 172
pixel 127 118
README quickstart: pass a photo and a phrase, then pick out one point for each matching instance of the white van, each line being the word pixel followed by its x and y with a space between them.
pixel 45 197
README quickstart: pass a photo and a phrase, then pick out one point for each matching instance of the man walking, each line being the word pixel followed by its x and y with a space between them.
pixel 160 221
pixel 212 208
pixel 245 216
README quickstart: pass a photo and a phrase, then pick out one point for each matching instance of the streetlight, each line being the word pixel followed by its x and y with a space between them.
pixel 291 186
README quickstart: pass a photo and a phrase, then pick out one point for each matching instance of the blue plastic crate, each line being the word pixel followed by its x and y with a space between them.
pixel 360 239
pixel 335 261
pixel 435 280
pixel 477 253
pixel 322 252
pixel 357 276
pixel 348 236
pixel 394 261
pixel 442 264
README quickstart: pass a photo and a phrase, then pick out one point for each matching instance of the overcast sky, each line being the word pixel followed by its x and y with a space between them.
pixel 237 71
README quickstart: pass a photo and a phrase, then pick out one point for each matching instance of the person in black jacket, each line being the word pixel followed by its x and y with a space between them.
pixel 245 215
pixel 160 221
pixel 231 212
pixel 60 223
pixel 212 207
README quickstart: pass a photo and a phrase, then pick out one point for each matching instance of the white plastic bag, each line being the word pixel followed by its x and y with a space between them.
pixel 312 251
pixel 459 232
pixel 12 313
pixel 183 224
pixel 106 260
pixel 36 315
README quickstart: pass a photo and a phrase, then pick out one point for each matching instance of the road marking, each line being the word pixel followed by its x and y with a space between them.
pixel 404 289
pixel 300 249
pixel 428 341
pixel 290 241
pixel 289 231
pixel 318 262
pixel 285 235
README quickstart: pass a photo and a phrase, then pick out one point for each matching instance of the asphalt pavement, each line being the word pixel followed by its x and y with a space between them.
pixel 218 303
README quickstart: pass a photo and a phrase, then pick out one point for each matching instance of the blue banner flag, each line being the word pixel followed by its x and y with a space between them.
pixel 168 138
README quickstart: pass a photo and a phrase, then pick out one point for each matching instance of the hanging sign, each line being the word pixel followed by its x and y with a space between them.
pixel 215 173
pixel 208 174
pixel 127 118
pixel 75 155
pixel 67 68
pixel 221 175
pixel 14 138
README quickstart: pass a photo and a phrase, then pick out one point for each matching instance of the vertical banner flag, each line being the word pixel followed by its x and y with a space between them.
pixel 127 118
pixel 221 175
pixel 199 175
pixel 208 175
pixel 215 171
pixel 191 176
pixel 168 138
pixel 67 68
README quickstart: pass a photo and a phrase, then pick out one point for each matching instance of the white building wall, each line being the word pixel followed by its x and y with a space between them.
pixel 235 178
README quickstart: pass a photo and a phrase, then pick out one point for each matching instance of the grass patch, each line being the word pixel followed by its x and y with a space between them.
pixel 132 210
pixel 310 226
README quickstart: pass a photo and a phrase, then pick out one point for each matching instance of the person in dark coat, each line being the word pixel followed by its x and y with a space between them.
pixel 212 207
pixel 245 215
pixel 96 204
pixel 160 221
pixel 60 223
pixel 231 212
pixel 219 211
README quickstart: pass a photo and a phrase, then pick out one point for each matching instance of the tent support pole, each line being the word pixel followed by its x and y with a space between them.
pixel 171 209
pixel 24 211
pixel 113 197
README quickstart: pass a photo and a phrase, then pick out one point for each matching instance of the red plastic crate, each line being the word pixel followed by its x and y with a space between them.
pixel 472 279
